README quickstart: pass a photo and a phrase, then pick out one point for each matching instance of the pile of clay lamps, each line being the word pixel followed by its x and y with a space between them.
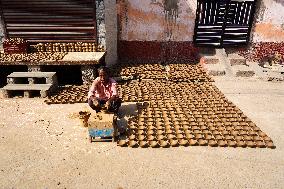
pixel 72 94
pixel 68 47
pixel 259 51
pixel 14 41
pixel 191 114
pixel 32 57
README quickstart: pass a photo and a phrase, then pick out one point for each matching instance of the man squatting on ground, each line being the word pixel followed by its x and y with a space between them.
pixel 103 93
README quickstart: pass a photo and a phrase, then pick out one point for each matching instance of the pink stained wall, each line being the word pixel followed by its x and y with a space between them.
pixel 153 20
pixel 269 25
pixel 147 20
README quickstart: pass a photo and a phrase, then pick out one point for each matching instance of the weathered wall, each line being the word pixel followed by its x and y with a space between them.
pixel 156 20
pixel 1 33
pixel 111 31
pixel 162 20
pixel 269 22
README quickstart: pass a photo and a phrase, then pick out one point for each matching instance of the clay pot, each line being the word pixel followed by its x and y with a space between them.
pixel 180 136
pixel 164 144
pixel 141 132
pixel 238 137
pixel 222 143
pixel 132 136
pixel 150 132
pixel 235 133
pixel 260 144
pixel 141 137
pixel 224 132
pixel 232 143
pixel 84 117
pixel 241 143
pixel 192 142
pixel 183 142
pixel 133 144
pixel 262 134
pixel 215 132
pixel 202 142
pixel 122 143
pixel 160 137
pixel 174 142
pixel 154 144
pixel 247 137
pixel 171 136
pixel 143 144
pixel 208 136
pixel 250 144
pixel 212 143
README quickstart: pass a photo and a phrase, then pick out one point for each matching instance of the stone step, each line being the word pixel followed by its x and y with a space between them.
pixel 28 89
pixel 215 69
pixel 32 74
pixel 32 78
pixel 243 71
pixel 236 59
pixel 211 59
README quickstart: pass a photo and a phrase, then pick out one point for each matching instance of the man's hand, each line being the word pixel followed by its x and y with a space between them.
pixel 107 105
pixel 95 102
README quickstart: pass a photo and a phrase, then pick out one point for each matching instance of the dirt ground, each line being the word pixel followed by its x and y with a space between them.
pixel 44 146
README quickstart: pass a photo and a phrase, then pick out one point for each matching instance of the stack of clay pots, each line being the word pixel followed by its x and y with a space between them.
pixel 32 57
pixel 68 47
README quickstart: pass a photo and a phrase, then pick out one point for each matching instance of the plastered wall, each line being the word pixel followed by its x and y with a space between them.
pixel 269 22
pixel 156 20
pixel 163 20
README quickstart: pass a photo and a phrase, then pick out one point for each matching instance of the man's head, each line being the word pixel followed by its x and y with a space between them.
pixel 103 74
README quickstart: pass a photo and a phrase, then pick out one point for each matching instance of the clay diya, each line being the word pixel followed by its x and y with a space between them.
pixel 154 144
pixel 241 143
pixel 222 143
pixel 164 143
pixel 174 142
pixel 212 143
pixel 143 144
pixel 193 142
pixel 202 142
pixel 183 142
pixel 232 143
pixel 122 143
pixel 133 144
pixel 270 145
pixel 250 144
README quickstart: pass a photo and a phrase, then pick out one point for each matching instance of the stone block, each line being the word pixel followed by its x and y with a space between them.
pixel 215 69
pixel 211 60
pixel 243 71
pixel 236 59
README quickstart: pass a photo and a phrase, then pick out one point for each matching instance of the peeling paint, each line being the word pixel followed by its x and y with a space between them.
pixel 171 15
pixel 269 32
pixel 156 20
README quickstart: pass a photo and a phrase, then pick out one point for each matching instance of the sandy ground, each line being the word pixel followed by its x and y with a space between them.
pixel 42 146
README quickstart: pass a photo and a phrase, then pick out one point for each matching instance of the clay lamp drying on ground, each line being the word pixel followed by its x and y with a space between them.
pixel 250 144
pixel 143 144
pixel 132 137
pixel 212 143
pixel 260 144
pixel 122 143
pixel 133 143
pixel 193 142
pixel 232 143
